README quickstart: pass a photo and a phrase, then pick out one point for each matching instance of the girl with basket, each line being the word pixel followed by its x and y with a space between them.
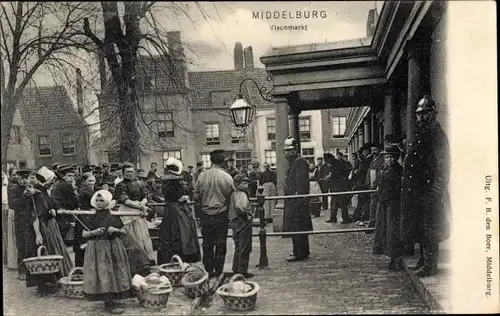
pixel 106 267
pixel 35 218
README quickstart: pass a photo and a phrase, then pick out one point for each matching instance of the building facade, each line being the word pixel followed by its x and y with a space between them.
pixel 334 123
pixel 56 130
pixel 19 153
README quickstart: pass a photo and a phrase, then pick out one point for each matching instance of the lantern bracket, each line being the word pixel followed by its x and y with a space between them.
pixel 264 92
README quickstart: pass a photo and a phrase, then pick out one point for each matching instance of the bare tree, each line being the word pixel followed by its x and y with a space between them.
pixel 136 44
pixel 32 35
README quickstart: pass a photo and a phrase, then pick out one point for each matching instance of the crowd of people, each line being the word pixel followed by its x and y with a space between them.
pixel 406 208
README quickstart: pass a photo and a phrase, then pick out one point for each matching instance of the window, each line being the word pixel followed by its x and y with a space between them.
pixel 170 153
pixel 339 123
pixel 205 158
pixel 212 134
pixel 44 146
pixel 68 145
pixel 270 157
pixel 243 158
pixel 15 134
pixel 22 164
pixel 113 157
pixel 308 154
pixel 237 136
pixel 305 128
pixel 165 125
pixel 271 128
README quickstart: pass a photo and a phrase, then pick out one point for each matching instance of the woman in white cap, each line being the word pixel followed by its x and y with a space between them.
pixel 106 267
pixel 178 234
pixel 53 239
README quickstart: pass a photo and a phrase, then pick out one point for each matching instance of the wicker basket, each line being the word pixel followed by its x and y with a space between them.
pixel 154 296
pixel 239 301
pixel 198 287
pixel 174 270
pixel 43 264
pixel 72 285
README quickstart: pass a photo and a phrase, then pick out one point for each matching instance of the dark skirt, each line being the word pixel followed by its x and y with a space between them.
pixel 106 270
pixel 30 250
pixel 54 242
pixel 173 241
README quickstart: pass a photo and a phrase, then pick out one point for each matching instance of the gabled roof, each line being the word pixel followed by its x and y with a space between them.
pixel 203 83
pixel 48 108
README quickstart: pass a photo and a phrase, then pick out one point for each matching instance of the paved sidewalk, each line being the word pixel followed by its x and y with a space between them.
pixel 342 276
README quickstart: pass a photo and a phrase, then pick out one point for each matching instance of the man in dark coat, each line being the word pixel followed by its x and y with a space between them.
pixel 297 216
pixel 363 208
pixel 65 196
pixel 338 182
pixel 230 167
pixel 376 165
pixel 424 189
pixel 322 171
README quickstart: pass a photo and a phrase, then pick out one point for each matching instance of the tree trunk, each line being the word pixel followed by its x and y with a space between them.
pixel 8 112
pixel 129 140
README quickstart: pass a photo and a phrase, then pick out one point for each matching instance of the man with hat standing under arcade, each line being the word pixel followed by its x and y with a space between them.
pixel 424 188
pixel 297 216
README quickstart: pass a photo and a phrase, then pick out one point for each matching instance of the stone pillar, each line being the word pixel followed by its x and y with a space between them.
pixel 389 111
pixel 367 128
pixel 418 79
pixel 294 126
pixel 361 136
pixel 282 132
pixel 373 127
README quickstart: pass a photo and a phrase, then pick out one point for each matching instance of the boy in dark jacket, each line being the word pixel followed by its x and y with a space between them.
pixel 387 225
pixel 240 214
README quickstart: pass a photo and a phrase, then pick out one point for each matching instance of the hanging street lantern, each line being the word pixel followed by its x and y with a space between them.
pixel 241 112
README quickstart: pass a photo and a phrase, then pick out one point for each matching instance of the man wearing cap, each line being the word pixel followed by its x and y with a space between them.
pixel 297 216
pixel 22 222
pixel 230 167
pixel 65 196
pixel 106 173
pixel 424 191
pixel 212 193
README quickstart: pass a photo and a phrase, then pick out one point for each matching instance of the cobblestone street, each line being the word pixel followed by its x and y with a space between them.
pixel 341 276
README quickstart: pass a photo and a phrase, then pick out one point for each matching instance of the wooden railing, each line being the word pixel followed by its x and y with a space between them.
pixel 258 202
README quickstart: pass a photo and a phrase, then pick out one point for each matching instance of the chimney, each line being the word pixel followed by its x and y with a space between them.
pixel 238 56
pixel 248 53
pixel 371 22
pixel 79 92
pixel 176 53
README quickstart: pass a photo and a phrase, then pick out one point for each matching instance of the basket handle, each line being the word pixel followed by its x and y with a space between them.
pixel 151 275
pixel 176 258
pixel 39 251
pixel 237 277
pixel 70 275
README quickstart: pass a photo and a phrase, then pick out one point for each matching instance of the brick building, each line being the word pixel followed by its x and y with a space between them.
pixel 56 130
pixel 213 92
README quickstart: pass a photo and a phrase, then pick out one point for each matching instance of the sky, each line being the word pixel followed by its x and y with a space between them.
pixel 209 31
